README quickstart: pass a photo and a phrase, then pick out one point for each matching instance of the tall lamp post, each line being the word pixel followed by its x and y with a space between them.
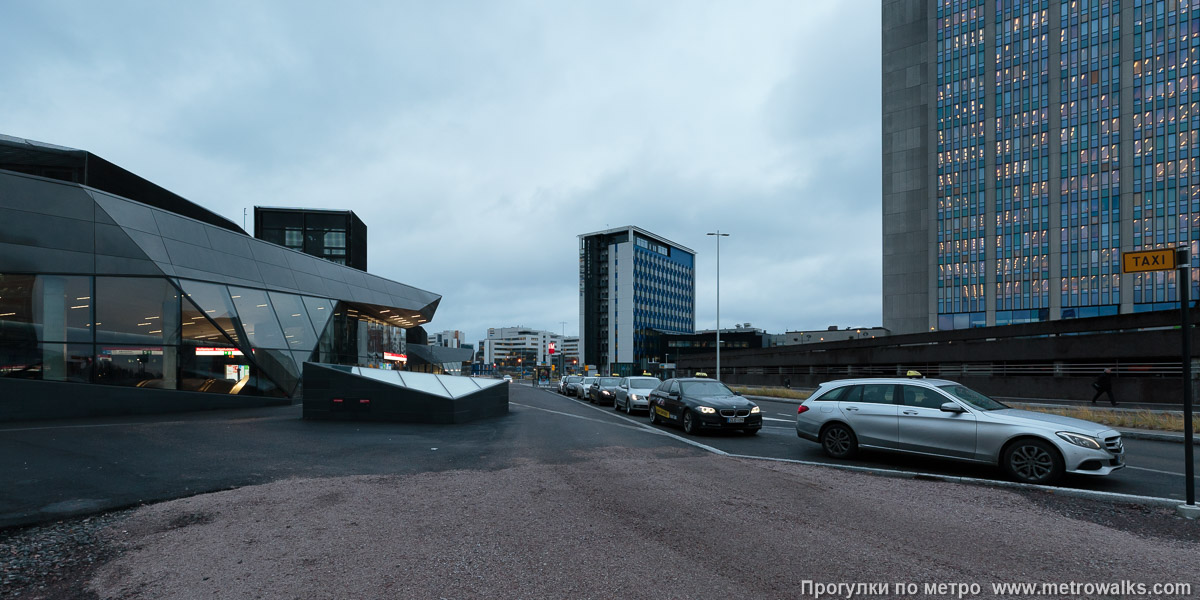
pixel 718 235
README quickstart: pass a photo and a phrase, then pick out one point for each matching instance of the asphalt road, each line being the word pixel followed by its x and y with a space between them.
pixel 1153 468
pixel 57 469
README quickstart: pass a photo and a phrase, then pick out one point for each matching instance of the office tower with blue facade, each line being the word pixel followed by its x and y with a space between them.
pixel 1026 145
pixel 633 285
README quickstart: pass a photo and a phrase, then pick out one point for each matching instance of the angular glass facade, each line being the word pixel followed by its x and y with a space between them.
pixel 159 333
pixel 102 294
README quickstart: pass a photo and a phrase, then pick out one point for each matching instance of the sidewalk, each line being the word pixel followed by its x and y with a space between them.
pixel 1137 434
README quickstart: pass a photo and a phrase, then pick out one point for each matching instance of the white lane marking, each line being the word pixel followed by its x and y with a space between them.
pixel 638 424
pixel 1154 470
pixel 781 420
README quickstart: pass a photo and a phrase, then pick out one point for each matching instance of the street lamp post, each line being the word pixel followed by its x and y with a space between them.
pixel 718 235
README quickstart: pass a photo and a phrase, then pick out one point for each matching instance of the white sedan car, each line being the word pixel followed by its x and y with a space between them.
pixel 935 417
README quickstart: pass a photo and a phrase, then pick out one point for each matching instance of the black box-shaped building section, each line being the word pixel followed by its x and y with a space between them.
pixel 112 304
pixel 344 392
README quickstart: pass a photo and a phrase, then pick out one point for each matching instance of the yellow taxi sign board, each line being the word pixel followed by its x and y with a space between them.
pixel 1148 260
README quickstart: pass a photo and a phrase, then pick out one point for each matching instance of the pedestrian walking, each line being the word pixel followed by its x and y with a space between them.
pixel 1103 385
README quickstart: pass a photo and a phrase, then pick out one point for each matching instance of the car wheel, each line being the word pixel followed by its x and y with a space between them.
pixel 839 441
pixel 1033 461
pixel 616 407
pixel 653 415
pixel 689 423
pixel 628 407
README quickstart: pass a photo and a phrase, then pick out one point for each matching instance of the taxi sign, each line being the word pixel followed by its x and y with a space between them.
pixel 1148 260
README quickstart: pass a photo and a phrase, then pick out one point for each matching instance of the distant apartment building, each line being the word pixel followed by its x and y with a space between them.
pixel 518 346
pixel 335 235
pixel 1026 146
pixel 632 283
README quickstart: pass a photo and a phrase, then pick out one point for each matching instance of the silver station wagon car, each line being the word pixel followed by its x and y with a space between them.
pixel 935 417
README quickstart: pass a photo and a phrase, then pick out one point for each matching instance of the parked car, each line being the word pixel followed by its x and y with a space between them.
pixel 936 417
pixel 579 388
pixel 634 393
pixel 564 386
pixel 698 403
pixel 603 390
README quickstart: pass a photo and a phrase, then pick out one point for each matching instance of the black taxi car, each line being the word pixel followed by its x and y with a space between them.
pixel 699 403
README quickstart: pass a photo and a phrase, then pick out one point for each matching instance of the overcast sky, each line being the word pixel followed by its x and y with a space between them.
pixel 477 140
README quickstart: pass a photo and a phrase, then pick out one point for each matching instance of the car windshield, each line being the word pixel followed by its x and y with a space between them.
pixel 643 383
pixel 973 398
pixel 705 388
pixel 610 381
pixel 573 379
pixel 588 380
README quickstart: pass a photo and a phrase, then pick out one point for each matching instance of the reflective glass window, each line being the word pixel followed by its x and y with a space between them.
pixel 48 362
pixel 213 368
pixel 258 318
pixel 62 308
pixel 215 302
pixel 136 310
pixel 136 366
pixel 320 311
pixel 293 317
pixel 16 308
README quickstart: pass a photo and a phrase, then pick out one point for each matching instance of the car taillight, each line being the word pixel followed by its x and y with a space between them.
pixel 801 409
pixel 364 401
pixel 337 400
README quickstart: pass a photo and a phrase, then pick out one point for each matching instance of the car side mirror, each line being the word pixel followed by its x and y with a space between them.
pixel 737 393
pixel 673 394
pixel 952 407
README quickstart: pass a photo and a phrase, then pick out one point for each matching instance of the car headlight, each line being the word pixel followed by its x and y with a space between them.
pixel 1085 441
pixel 634 397
pixel 606 393
pixel 755 410
pixel 707 410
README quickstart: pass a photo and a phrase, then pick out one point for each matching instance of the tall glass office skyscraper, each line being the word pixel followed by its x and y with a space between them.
pixel 1026 146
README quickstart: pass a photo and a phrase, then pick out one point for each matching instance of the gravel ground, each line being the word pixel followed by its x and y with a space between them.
pixel 623 524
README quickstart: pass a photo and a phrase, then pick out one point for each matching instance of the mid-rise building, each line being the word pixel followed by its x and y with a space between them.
pixel 450 338
pixel 518 346
pixel 1026 146
pixel 632 283
pixel 335 235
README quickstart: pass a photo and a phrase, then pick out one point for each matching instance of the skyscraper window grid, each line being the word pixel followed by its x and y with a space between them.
pixel 1166 124
pixel 1089 205
pixel 1022 161
pixel 962 170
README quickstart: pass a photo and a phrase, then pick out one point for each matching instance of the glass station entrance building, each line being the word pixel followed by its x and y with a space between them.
pixel 118 296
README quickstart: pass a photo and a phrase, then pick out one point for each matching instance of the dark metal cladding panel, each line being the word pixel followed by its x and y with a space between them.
pixel 19 258
pixel 311 285
pixel 129 215
pixel 299 261
pixel 179 228
pixel 227 241
pixel 34 194
pixel 46 231
pixel 111 240
pixel 115 265
pixel 269 253
pixel 279 278
pixel 151 244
